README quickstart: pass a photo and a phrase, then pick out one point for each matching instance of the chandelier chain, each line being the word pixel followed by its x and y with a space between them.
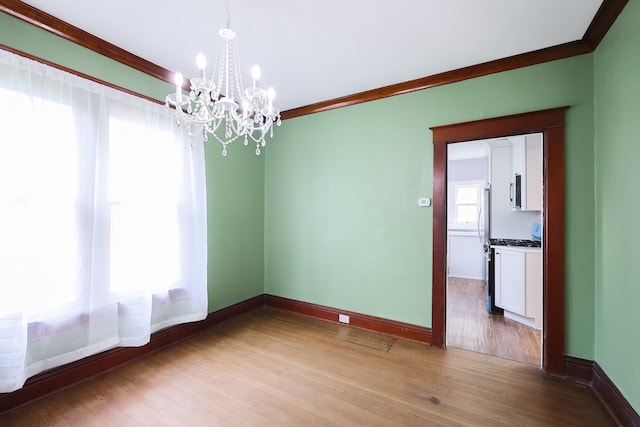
pixel 226 3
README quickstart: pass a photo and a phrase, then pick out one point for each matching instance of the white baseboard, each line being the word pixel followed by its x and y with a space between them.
pixel 527 321
pixel 462 276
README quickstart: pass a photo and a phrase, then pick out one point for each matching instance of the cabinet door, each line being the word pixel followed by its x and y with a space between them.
pixel 533 155
pixel 509 280
pixel 518 168
pixel 527 162
pixel 533 286
pixel 502 217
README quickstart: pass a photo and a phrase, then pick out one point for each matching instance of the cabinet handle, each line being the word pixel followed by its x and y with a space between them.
pixel 511 191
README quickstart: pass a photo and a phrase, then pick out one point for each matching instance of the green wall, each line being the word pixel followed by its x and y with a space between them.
pixel 235 188
pixel 342 224
pixel 617 233
pixel 235 191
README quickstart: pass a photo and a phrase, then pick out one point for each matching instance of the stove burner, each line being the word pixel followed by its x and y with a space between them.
pixel 516 242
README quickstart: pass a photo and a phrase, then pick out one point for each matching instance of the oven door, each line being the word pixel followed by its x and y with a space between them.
pixel 491 284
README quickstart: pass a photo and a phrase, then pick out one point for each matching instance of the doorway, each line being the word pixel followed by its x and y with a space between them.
pixel 551 124
pixel 494 263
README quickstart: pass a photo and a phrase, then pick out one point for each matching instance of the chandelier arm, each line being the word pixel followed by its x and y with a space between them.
pixel 210 107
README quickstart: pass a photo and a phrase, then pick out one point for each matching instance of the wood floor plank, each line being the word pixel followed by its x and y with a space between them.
pixel 276 368
pixel 471 327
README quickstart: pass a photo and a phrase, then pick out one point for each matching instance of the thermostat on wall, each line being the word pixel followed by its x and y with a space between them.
pixel 424 201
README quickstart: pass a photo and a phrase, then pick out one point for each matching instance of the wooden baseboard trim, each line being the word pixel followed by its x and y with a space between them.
pixel 363 321
pixel 233 311
pixel 615 403
pixel 72 373
pixel 578 368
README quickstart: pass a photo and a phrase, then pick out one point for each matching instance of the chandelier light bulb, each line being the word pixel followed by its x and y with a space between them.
pixel 271 94
pixel 201 60
pixel 178 79
pixel 255 72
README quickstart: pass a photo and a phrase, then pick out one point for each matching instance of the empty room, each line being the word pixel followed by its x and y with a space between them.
pixel 408 213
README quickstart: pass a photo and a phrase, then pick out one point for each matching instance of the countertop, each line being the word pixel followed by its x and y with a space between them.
pixel 518 248
pixel 518 243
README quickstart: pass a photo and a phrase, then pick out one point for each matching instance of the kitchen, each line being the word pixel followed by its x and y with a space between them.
pixel 494 254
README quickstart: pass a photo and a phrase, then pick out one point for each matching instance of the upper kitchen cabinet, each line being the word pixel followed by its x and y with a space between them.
pixel 506 222
pixel 526 178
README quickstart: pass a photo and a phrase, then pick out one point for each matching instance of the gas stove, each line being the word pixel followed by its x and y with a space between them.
pixel 516 242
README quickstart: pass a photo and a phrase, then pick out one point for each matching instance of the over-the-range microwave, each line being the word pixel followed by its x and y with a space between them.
pixel 515 192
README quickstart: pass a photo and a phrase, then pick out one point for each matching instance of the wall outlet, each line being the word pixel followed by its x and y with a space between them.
pixel 343 318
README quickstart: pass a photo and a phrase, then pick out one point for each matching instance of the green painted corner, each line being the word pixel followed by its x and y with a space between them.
pixel 235 213
pixel 617 231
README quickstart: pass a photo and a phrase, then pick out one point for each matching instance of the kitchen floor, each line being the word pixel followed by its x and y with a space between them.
pixel 471 327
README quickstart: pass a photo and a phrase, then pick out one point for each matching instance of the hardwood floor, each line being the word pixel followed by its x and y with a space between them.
pixel 471 327
pixel 272 367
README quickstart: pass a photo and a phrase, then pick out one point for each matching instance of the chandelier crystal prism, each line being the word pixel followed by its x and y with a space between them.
pixel 220 105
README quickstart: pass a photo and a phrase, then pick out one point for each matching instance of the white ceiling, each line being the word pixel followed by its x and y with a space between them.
pixel 316 50
pixel 467 150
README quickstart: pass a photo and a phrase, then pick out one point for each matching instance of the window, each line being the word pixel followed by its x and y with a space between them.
pixel 102 220
pixel 143 199
pixel 465 203
pixel 38 199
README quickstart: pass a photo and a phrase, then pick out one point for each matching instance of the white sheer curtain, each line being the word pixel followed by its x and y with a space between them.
pixel 102 220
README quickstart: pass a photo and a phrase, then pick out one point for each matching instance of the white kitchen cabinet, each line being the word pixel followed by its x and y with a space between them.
pixel 533 286
pixel 527 164
pixel 517 154
pixel 506 223
pixel 518 283
pixel 510 280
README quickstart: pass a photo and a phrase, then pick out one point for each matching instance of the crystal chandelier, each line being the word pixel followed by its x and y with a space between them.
pixel 220 105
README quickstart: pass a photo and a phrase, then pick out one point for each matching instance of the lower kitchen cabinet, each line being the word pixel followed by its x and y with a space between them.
pixel 518 282
pixel 533 286
pixel 510 284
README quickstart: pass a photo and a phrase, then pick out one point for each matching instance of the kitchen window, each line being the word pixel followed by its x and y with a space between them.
pixel 465 201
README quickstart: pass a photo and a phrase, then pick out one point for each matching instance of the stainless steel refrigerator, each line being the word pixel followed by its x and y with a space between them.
pixel 484 233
